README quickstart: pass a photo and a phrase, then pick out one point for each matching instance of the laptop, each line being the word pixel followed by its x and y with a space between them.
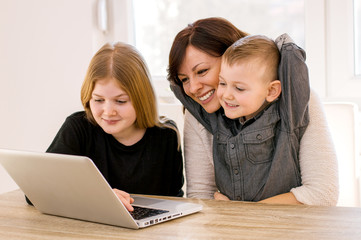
pixel 73 187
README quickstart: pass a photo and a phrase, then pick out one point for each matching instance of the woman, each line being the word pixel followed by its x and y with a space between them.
pixel 120 130
pixel 194 65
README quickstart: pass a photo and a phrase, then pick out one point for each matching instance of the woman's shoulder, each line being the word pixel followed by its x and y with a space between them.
pixel 193 126
pixel 166 126
pixel 167 122
pixel 188 117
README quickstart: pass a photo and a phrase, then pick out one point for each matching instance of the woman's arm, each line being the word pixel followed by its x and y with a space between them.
pixel 198 159
pixel 318 164
pixel 285 198
pixel 318 161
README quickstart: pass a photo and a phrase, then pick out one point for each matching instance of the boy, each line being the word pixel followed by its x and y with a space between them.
pixel 273 114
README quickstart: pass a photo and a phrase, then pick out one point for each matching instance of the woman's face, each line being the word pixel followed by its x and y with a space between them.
pixel 199 74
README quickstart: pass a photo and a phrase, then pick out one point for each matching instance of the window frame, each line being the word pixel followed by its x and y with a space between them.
pixel 342 83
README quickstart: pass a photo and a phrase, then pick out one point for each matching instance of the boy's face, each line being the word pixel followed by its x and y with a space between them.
pixel 242 89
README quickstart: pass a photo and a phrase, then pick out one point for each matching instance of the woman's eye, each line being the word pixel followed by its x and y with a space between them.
pixel 222 83
pixel 202 71
pixel 121 101
pixel 183 80
pixel 239 89
pixel 98 100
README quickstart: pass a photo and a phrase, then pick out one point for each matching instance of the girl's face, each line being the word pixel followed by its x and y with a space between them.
pixel 112 109
pixel 199 76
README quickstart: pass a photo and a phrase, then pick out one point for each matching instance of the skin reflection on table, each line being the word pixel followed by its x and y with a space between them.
pixel 217 220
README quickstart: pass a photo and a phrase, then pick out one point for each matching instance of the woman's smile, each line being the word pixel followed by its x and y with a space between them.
pixel 206 96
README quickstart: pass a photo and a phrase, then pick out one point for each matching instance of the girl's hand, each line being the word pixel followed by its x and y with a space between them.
pixel 125 198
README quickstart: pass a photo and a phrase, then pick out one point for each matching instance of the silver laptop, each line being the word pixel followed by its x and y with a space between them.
pixel 72 186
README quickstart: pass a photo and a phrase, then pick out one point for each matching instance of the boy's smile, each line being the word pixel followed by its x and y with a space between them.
pixel 242 89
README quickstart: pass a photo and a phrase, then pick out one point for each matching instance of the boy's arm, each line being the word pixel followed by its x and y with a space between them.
pixel 293 74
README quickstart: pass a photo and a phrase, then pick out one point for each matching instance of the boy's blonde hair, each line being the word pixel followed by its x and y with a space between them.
pixel 255 48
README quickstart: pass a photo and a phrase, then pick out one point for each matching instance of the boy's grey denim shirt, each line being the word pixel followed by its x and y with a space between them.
pixel 260 159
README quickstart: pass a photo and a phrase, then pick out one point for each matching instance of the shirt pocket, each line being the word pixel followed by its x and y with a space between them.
pixel 259 145
pixel 222 152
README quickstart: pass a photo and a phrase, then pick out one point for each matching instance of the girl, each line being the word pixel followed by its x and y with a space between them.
pixel 120 129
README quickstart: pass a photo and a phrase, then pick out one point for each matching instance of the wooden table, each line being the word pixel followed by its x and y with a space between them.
pixel 217 220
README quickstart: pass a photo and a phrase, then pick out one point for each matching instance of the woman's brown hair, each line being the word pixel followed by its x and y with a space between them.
pixel 210 35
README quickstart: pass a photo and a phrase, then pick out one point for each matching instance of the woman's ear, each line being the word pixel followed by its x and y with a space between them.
pixel 274 90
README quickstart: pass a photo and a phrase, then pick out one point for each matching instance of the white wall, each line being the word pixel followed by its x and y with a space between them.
pixel 45 47
pixel 44 56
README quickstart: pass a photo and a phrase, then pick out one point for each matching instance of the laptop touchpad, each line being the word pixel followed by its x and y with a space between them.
pixel 146 201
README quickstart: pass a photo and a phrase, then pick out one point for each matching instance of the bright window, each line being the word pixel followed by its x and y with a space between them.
pixel 158 21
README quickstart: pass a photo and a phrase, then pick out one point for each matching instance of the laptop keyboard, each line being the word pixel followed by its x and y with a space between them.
pixel 142 212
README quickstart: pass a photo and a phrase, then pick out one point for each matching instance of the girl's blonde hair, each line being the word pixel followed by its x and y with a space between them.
pixel 125 64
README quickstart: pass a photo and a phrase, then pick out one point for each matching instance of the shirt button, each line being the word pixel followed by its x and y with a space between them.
pixel 235 171
pixel 259 137
pixel 232 145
